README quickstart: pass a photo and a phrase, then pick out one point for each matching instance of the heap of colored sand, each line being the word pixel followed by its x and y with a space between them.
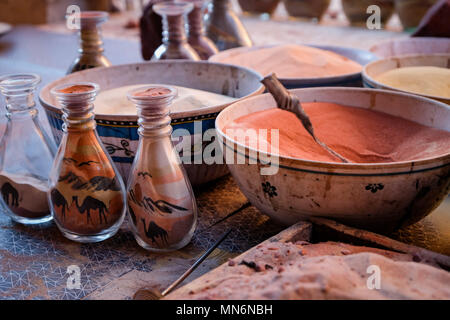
pixel 294 61
pixel 360 135
pixel 431 81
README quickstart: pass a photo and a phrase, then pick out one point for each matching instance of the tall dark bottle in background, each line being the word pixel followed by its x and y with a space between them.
pixel 224 28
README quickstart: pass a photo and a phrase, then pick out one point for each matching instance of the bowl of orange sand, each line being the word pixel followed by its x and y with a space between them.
pixel 398 145
pixel 302 66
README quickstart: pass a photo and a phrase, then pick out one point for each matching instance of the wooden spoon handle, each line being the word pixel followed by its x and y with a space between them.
pixel 289 102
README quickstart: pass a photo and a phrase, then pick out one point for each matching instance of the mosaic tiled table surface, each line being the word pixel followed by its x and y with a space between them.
pixel 34 260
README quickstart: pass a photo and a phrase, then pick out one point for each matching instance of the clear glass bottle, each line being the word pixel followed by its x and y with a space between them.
pixel 196 31
pixel 87 194
pixel 175 44
pixel 161 203
pixel 91 43
pixel 26 153
pixel 224 28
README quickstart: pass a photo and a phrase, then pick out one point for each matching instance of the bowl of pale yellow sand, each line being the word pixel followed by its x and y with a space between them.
pixel 398 146
pixel 425 75
pixel 300 66
pixel 204 89
pixel 409 46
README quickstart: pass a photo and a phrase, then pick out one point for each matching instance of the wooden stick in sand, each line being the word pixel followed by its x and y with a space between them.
pixel 287 101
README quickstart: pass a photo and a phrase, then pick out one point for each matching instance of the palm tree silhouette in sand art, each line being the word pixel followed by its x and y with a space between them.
pixel 89 204
pixel 59 200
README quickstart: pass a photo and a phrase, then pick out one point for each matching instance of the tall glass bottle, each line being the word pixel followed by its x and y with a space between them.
pixel 175 44
pixel 224 28
pixel 26 153
pixel 196 31
pixel 91 43
pixel 161 203
pixel 87 195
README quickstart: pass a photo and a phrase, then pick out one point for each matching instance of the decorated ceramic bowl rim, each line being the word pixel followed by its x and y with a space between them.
pixel 174 115
pixel 367 77
pixel 336 78
pixel 335 165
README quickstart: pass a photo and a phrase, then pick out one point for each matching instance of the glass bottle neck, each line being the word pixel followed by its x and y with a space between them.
pixel 91 41
pixel 154 124
pixel 20 104
pixel 221 4
pixel 82 120
pixel 195 25
pixel 173 29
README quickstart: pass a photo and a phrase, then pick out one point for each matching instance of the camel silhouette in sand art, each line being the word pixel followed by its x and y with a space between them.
pixel 154 231
pixel 89 204
pixel 58 201
pixel 7 190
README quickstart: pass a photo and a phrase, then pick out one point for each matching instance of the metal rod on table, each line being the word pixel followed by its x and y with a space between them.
pixel 196 264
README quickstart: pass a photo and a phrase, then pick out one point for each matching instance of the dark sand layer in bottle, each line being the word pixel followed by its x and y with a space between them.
pixel 24 196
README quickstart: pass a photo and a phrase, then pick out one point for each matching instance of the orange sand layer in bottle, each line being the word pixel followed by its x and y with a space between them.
pixel 360 135
pixel 77 89
pixel 87 198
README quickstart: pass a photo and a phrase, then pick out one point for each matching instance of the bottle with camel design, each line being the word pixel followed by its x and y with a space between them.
pixel 87 194
pixel 161 203
pixel 26 153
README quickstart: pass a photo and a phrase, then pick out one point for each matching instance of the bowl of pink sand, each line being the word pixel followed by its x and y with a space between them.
pixel 302 66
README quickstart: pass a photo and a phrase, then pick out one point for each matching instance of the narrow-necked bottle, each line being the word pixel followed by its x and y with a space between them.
pixel 87 194
pixel 196 31
pixel 161 203
pixel 175 44
pixel 224 27
pixel 26 153
pixel 91 43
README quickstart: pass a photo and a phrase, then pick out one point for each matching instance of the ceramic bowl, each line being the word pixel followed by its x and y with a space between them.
pixel 258 6
pixel 306 8
pixel 379 197
pixel 348 80
pixel 411 12
pixel 356 10
pixel 409 46
pixel 119 133
pixel 372 70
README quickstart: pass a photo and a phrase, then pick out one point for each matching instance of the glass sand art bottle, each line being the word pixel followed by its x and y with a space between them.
pixel 87 195
pixel 196 31
pixel 175 44
pixel 161 203
pixel 224 27
pixel 26 153
pixel 91 43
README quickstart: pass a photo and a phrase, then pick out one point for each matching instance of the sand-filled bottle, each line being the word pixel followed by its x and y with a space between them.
pixel 91 43
pixel 87 194
pixel 196 31
pixel 26 153
pixel 224 27
pixel 175 44
pixel 161 203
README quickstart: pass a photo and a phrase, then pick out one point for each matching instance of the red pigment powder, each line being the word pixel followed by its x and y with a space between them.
pixel 360 135
pixel 77 89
